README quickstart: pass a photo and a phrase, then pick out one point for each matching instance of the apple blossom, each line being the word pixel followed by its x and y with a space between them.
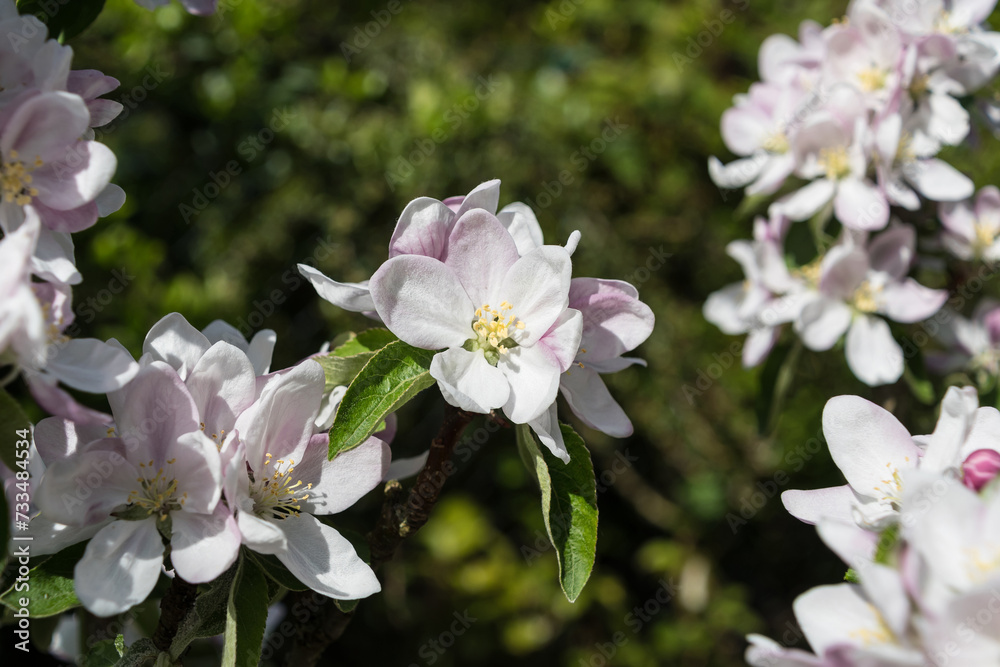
pixel 501 319
pixel 160 479
pixel 850 285
pixel 278 477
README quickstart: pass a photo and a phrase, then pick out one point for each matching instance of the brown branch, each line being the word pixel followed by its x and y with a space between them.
pixel 174 606
pixel 397 521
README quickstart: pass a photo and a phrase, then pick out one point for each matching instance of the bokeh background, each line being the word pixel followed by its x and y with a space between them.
pixel 333 131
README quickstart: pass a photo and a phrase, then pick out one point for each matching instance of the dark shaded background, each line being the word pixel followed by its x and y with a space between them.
pixel 401 118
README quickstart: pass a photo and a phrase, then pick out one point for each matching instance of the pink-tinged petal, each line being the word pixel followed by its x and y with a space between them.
pixel 853 544
pixel 322 559
pixel 562 341
pixel 281 421
pixel 773 173
pixel 480 252
pixel 222 385
pixel 54 258
pixel 809 506
pixel 44 126
pixel 120 567
pixel 338 484
pixel 261 536
pixel 984 434
pixel 49 537
pixel 522 225
pixel 57 438
pixel 546 427
pixel 938 181
pixel 176 342
pixel 867 443
pixel 828 615
pixel 57 402
pixel 86 487
pixel 589 399
pixel 200 7
pixel 959 218
pixel 745 129
pixel 958 412
pixel 909 301
pixel 91 365
pixel 873 355
pixel 194 461
pixel 468 381
pixel 422 301
pixel 153 411
pixel 485 196
pixel 822 322
pixel 422 229
pixel 614 320
pixel 533 374
pixel 758 345
pixel 537 286
pixel 90 83
pixel 859 204
pixel 110 200
pixel 404 468
pixel 723 308
pixel 892 252
pixel 807 200
pixel 355 297
pixel 736 174
pixel 988 207
pixel 84 171
pixel 73 220
pixel 764 652
pixel 203 546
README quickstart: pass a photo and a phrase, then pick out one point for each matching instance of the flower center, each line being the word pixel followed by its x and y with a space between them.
pixel 981 564
pixel 493 329
pixel 276 494
pixel 985 236
pixel 871 636
pixel 776 143
pixel 834 162
pixel 866 297
pixel 15 180
pixel 156 495
pixel 872 79
pixel 811 272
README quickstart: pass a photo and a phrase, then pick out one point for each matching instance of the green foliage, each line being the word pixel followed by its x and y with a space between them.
pixel 50 585
pixel 345 361
pixel 246 614
pixel 391 378
pixel 15 428
pixel 105 653
pixel 569 504
pixel 68 20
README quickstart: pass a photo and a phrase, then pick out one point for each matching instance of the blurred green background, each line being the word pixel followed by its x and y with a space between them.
pixel 363 130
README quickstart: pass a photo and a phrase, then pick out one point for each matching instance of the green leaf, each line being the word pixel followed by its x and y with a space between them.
pixel 396 374
pixel 276 571
pixel 346 360
pixel 70 18
pixel 139 654
pixel 102 654
pixel 569 505
pixel 12 420
pixel 50 585
pixel 208 618
pixel 246 614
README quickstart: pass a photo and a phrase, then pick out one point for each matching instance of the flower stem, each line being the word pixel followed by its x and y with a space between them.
pixel 174 606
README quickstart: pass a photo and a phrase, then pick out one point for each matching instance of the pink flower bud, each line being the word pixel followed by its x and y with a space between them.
pixel 981 467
